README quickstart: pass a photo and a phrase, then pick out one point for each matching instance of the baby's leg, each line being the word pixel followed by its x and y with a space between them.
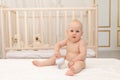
pixel 76 68
pixel 50 61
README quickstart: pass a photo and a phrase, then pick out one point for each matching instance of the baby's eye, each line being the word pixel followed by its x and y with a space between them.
pixel 71 31
pixel 77 31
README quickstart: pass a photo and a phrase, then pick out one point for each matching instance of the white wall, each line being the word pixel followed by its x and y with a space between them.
pixel 45 3
pixel 108 24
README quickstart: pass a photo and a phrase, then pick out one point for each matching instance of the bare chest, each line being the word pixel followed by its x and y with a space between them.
pixel 73 47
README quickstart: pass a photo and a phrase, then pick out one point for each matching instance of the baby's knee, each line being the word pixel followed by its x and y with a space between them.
pixel 80 65
pixel 80 62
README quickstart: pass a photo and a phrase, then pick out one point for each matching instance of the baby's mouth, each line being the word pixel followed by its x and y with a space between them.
pixel 74 37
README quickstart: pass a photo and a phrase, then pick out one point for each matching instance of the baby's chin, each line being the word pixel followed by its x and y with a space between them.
pixel 74 40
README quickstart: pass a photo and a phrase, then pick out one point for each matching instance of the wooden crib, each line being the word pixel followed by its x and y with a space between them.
pixel 49 23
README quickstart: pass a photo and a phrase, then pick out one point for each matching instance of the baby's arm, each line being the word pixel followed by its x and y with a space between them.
pixel 83 52
pixel 58 46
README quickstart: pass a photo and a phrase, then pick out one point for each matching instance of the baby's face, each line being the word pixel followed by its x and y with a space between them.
pixel 74 32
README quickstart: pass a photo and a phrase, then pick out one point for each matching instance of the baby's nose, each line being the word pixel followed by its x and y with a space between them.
pixel 74 32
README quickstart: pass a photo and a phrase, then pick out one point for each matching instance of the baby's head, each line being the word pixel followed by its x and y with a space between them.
pixel 74 31
pixel 75 23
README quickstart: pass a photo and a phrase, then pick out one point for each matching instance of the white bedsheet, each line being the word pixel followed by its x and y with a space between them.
pixel 39 53
pixel 22 69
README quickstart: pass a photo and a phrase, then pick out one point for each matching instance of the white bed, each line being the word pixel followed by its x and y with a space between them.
pixel 96 69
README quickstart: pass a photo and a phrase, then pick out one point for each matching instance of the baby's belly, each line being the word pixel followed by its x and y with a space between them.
pixel 71 56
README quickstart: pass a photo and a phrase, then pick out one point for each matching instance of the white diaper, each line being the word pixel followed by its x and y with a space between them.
pixel 61 63
pixel 64 65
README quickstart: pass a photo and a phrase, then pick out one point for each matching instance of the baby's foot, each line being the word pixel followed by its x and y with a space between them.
pixel 37 63
pixel 70 72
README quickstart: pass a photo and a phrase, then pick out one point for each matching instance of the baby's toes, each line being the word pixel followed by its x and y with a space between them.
pixel 69 73
pixel 36 63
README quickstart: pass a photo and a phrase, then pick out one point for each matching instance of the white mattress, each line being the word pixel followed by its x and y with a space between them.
pixel 22 69
pixel 40 53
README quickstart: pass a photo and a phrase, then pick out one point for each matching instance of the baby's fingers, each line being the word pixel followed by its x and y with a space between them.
pixel 58 55
pixel 70 64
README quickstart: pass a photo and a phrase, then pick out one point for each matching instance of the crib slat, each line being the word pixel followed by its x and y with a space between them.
pixel 33 25
pixel 57 26
pixel 65 15
pixel 41 26
pixel 81 16
pixel 96 31
pixel 50 28
pixel 84 23
pixel 26 29
pixel 2 33
pixel 73 14
pixel 9 26
pixel 18 29
pixel 89 28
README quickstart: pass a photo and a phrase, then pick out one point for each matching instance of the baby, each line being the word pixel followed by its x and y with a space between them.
pixel 75 50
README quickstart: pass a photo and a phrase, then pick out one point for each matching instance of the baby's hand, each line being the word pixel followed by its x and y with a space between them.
pixel 70 64
pixel 57 54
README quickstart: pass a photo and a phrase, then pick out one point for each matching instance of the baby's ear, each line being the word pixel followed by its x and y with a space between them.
pixel 67 31
pixel 82 33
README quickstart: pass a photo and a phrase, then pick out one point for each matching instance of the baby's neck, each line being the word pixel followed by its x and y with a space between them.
pixel 73 41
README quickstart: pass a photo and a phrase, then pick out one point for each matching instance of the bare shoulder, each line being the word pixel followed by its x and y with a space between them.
pixel 63 42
